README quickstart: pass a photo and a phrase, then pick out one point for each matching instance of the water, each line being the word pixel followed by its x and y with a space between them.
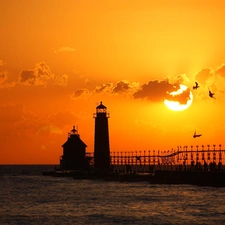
pixel 27 197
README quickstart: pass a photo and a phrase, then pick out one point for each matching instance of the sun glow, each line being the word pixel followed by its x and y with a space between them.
pixel 177 105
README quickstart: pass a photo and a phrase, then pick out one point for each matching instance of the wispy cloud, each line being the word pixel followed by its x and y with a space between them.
pixel 3 76
pixel 104 88
pixel 65 49
pixel 61 80
pixel 4 80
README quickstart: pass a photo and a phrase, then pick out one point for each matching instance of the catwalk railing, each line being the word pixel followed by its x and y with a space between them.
pixel 194 157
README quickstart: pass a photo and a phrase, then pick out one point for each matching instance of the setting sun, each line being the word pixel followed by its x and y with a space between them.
pixel 176 104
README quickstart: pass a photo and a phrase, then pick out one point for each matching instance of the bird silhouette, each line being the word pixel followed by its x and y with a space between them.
pixel 196 86
pixel 211 95
pixel 196 135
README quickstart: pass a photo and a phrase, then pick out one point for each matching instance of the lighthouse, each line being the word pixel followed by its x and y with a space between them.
pixel 74 150
pixel 101 139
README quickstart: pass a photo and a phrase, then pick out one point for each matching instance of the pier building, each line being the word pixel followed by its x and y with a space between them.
pixel 74 152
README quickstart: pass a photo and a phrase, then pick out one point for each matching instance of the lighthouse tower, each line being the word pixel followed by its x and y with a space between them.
pixel 101 139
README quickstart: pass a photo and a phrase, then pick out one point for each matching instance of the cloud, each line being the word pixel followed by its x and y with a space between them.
pixel 221 70
pixel 159 90
pixel 182 79
pixel 125 87
pixel 27 77
pixel 207 76
pixel 65 49
pixel 155 91
pixel 4 80
pixel 204 75
pixel 80 93
pixel 3 76
pixel 40 75
pixel 61 80
pixel 212 79
pixel 104 88
pixel 121 87
pixel 181 98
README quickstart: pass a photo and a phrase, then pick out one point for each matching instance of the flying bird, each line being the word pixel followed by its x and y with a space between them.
pixel 196 135
pixel 196 86
pixel 211 95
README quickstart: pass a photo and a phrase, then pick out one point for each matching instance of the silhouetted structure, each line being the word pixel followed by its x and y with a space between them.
pixel 183 165
pixel 101 139
pixel 74 152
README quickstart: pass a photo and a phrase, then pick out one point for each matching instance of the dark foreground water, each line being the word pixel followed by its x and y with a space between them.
pixel 27 197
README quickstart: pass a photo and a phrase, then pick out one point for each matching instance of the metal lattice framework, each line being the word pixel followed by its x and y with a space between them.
pixel 183 156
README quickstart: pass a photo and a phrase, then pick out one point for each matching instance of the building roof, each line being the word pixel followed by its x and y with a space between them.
pixel 74 140
pixel 101 106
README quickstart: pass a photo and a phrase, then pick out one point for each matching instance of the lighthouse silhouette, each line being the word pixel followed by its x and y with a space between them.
pixel 101 139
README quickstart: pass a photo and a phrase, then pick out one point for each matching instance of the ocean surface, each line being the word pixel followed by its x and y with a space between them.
pixel 27 197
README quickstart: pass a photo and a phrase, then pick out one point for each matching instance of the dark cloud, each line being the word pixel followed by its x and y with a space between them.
pixel 156 90
pixel 122 86
pixel 43 70
pixel 104 88
pixel 40 75
pixel 181 98
pixel 27 77
pixel 80 93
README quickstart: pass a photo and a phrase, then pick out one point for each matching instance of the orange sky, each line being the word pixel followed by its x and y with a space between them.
pixel 60 58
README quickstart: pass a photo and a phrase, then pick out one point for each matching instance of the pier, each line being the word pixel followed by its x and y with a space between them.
pixel 207 158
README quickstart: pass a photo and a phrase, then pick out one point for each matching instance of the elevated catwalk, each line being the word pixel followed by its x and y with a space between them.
pixel 185 158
